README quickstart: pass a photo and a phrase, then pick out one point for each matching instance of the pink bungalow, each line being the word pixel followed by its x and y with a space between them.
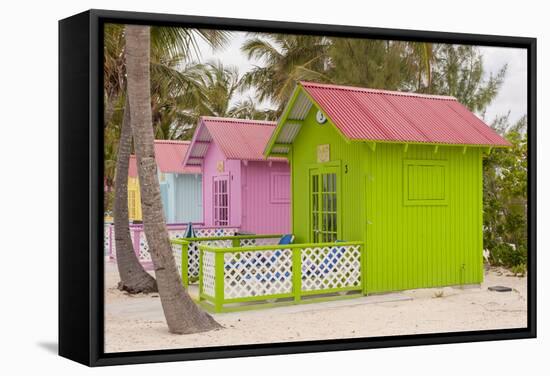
pixel 241 188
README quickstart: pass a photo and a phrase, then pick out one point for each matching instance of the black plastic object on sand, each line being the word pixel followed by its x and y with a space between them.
pixel 500 288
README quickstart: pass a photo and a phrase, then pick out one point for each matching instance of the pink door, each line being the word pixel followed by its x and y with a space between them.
pixel 220 200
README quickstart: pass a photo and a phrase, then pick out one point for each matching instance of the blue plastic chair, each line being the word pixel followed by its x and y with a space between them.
pixel 286 239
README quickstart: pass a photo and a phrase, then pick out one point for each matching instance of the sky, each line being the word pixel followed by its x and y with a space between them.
pixel 513 93
pixel 511 97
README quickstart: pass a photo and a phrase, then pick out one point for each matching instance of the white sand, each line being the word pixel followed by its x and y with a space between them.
pixel 134 323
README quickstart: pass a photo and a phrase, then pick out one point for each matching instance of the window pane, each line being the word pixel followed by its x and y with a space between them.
pixel 314 199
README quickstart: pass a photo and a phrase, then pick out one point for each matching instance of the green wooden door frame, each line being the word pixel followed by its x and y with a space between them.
pixel 323 196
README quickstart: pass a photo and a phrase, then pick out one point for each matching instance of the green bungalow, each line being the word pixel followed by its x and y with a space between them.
pixel 399 172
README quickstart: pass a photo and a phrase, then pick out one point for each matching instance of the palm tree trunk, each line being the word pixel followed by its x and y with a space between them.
pixel 181 313
pixel 133 278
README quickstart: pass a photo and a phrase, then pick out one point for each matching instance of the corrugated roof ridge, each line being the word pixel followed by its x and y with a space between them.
pixel 238 120
pixel 377 91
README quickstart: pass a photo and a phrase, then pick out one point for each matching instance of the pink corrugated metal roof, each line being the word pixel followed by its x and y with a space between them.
pixel 380 115
pixel 237 138
pixel 169 155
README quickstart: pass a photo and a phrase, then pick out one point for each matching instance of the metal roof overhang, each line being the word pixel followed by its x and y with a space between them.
pixel 297 109
pixel 199 146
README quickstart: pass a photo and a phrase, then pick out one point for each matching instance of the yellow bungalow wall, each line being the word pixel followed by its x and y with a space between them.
pixel 134 199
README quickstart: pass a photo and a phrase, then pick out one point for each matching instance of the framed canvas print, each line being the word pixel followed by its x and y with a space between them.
pixel 235 187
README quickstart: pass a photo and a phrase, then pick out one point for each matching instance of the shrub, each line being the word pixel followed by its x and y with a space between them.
pixel 519 270
pixel 505 254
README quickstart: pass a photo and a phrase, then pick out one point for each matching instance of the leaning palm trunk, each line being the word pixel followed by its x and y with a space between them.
pixel 133 278
pixel 181 313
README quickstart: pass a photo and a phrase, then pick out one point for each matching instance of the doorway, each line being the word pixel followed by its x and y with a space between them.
pixel 325 204
pixel 221 200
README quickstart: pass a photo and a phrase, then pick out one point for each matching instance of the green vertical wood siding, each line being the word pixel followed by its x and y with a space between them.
pixel 427 244
pixel 347 157
pixel 422 226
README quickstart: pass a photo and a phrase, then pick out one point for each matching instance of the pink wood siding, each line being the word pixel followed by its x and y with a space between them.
pixel 266 197
pixel 232 169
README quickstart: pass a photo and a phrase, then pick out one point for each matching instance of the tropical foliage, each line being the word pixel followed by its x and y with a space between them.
pixel 285 59
pixel 505 197
pixel 175 85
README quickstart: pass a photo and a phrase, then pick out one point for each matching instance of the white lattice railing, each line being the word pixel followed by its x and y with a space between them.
pixel 175 231
pixel 255 273
pixel 189 262
pixel 208 281
pixel 330 267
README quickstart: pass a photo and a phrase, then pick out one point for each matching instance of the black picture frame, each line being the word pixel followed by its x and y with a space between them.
pixel 81 187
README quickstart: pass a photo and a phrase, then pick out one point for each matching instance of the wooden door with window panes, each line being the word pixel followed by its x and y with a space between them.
pixel 324 204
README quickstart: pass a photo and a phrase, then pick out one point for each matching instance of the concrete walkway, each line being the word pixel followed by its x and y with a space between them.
pixel 148 307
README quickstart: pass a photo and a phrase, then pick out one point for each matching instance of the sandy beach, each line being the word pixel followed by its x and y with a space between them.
pixel 134 323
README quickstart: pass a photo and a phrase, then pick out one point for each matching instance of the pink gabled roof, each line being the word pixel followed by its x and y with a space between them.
pixel 239 139
pixel 391 116
pixel 169 155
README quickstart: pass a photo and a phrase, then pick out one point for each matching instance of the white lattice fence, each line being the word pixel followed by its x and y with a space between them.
pixel 176 250
pixel 108 240
pixel 331 267
pixel 257 273
pixel 177 234
pixel 193 254
pixel 142 251
pixel 210 232
pixel 209 273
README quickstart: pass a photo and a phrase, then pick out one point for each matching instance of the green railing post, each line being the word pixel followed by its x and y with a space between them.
pixel 219 266
pixel 185 264
pixel 297 274
pixel 236 243
pixel 364 268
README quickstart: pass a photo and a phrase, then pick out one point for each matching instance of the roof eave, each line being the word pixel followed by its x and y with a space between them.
pixel 280 123
pixel 403 142
pixel 188 156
